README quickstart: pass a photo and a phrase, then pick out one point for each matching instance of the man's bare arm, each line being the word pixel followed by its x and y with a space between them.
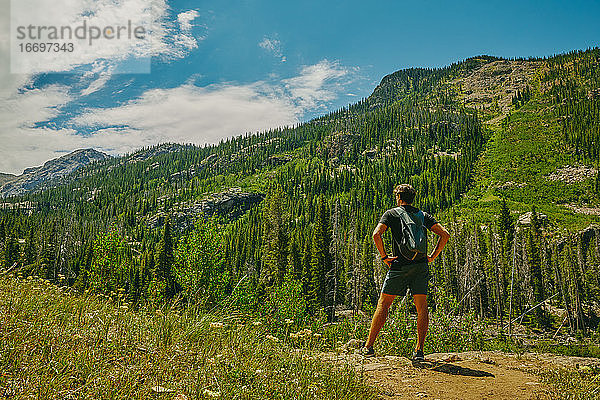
pixel 439 230
pixel 379 230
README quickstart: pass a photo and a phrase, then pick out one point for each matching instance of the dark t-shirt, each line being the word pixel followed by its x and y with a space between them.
pixel 392 221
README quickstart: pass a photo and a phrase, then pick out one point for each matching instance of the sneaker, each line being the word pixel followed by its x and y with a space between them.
pixel 418 356
pixel 367 351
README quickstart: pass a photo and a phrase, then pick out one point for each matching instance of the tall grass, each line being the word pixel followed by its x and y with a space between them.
pixel 55 344
pixel 579 384
pixel 58 345
pixel 447 332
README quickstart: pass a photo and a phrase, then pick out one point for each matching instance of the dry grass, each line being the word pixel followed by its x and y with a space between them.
pixel 58 345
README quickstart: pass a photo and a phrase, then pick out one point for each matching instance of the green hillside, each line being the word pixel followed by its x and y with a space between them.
pixel 289 212
pixel 533 144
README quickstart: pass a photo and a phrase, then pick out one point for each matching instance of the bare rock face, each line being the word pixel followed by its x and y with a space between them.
pixel 6 178
pixel 496 81
pixel 588 236
pixel 510 185
pixel 582 209
pixel 154 151
pixel 278 159
pixel 50 174
pixel 572 174
pixel 231 204
pixel 338 143
pixel 525 219
pixel 370 153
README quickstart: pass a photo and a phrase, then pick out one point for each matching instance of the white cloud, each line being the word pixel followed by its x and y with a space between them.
pixel 273 46
pixel 24 145
pixel 185 19
pixel 23 142
pixel 102 75
pixel 317 84
pixel 163 37
pixel 185 114
pixel 185 39
pixel 191 114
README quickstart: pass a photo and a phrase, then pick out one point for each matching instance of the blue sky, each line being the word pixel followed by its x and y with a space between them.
pixel 224 68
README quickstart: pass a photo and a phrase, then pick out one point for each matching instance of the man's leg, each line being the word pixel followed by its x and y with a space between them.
pixel 383 306
pixel 422 318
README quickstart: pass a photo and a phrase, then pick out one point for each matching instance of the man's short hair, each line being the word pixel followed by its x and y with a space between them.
pixel 407 192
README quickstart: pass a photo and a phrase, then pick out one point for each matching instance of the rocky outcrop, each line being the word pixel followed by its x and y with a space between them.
pixel 51 173
pixel 278 159
pixel 497 81
pixel 6 178
pixel 572 174
pixel 525 219
pixel 225 160
pixel 370 153
pixel 509 185
pixel 154 151
pixel 232 204
pixel 587 237
pixel 338 143
pixel 582 209
pixel 589 234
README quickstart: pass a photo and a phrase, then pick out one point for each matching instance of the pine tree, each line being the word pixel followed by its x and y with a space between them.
pixel 506 231
pixel 294 258
pixel 164 261
pixel 320 257
pixel 535 266
pixel 306 271
pixel 368 291
pixel 336 247
pixel 47 255
pixel 11 252
pixel 2 231
pixel 353 269
pixel 480 255
pixel 505 227
pixel 29 255
pixel 275 237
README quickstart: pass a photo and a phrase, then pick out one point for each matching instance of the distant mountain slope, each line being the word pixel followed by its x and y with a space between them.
pixel 543 120
pixel 6 178
pixel 417 108
pixel 405 83
pixel 50 174
pixel 150 152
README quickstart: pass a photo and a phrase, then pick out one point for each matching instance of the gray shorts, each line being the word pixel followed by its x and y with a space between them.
pixel 414 277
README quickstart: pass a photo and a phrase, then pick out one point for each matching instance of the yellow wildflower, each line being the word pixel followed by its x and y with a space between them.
pixel 273 338
pixel 211 393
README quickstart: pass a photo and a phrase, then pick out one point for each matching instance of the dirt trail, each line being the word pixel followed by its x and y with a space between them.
pixel 464 376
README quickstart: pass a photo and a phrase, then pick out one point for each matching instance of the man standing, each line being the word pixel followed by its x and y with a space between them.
pixel 409 264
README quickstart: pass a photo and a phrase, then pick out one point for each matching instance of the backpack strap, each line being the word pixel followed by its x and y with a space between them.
pixel 401 211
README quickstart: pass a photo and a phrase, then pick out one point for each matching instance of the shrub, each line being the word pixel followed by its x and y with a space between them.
pixel 200 264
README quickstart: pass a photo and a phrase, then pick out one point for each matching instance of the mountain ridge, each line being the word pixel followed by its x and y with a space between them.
pixel 485 85
pixel 50 173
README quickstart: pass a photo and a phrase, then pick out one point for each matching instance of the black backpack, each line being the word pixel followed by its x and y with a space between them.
pixel 413 245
